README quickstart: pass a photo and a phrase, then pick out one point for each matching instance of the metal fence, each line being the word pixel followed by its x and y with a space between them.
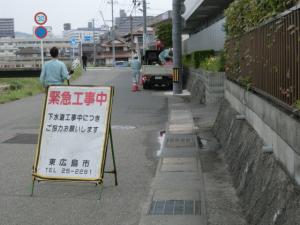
pixel 267 58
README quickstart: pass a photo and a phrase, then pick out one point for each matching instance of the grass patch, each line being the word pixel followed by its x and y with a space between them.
pixel 19 88
pixel 24 87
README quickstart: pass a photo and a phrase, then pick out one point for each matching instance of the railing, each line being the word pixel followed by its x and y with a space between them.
pixel 267 58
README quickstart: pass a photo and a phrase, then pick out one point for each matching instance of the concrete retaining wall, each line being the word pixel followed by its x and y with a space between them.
pixel 276 128
pixel 205 86
pixel 267 193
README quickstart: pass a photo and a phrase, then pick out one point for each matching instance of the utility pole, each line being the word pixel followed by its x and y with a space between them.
pixel 145 26
pixel 94 42
pixel 81 48
pixel 131 35
pixel 113 34
pixel 177 46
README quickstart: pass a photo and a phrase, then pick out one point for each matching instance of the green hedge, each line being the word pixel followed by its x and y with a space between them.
pixel 242 15
pixel 208 60
pixel 195 59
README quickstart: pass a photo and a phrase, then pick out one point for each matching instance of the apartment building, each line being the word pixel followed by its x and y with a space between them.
pixel 7 27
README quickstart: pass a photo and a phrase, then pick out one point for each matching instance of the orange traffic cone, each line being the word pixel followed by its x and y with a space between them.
pixel 134 87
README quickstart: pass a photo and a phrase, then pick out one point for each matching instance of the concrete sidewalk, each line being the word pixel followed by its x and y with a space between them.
pixel 191 185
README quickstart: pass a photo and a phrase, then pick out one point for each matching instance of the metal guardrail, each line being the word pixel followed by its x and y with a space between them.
pixel 269 57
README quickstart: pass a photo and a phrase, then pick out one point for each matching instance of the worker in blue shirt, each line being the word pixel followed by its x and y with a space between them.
pixel 54 72
pixel 166 54
pixel 136 67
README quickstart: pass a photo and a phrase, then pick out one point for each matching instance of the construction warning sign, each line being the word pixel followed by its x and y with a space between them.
pixel 74 133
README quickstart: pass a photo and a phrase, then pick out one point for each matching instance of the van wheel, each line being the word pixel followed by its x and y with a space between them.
pixel 146 86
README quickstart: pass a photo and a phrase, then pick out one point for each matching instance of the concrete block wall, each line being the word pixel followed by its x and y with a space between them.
pixel 275 127
pixel 268 195
pixel 205 86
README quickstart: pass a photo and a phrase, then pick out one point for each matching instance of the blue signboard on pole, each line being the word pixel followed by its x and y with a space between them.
pixel 40 32
pixel 87 38
pixel 73 41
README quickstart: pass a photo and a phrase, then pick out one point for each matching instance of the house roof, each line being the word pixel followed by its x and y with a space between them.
pixel 118 42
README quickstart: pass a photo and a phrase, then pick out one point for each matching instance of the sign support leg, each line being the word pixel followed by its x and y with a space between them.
pixel 113 155
pixel 101 190
pixel 32 186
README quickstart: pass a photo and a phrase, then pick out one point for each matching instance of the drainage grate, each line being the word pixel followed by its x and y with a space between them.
pixel 23 139
pixel 180 140
pixel 175 207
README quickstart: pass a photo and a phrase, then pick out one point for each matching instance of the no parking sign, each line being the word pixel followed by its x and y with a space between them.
pixel 40 32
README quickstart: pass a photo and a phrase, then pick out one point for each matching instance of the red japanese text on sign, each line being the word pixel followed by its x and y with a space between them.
pixel 76 98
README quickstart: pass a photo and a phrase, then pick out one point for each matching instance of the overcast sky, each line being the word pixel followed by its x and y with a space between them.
pixel 76 12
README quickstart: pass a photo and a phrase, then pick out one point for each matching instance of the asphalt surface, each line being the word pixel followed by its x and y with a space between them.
pixel 137 119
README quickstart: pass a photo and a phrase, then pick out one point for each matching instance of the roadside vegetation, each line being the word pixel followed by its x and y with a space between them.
pixel 164 33
pixel 243 16
pixel 297 104
pixel 207 60
pixel 18 88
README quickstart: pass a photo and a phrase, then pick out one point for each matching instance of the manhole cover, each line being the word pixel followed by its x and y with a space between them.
pixel 175 207
pixel 23 139
pixel 180 140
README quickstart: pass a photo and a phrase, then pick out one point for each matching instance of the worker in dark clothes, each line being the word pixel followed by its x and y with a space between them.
pixel 84 61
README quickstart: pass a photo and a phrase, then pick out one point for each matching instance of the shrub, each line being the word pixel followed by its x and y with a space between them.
pixel 213 63
pixel 15 86
pixel 242 15
pixel 200 56
pixel 297 104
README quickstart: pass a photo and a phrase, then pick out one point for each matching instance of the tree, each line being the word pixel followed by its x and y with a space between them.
pixel 164 33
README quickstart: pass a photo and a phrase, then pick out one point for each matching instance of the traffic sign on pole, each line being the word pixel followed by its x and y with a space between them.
pixel 40 18
pixel 40 32
pixel 73 41
pixel 87 38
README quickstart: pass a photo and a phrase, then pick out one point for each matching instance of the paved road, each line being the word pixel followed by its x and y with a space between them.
pixel 76 203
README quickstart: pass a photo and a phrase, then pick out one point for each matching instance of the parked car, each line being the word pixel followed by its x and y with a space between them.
pixel 121 64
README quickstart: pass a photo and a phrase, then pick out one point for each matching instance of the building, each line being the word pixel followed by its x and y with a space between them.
pixel 122 50
pixel 137 39
pixel 67 26
pixel 80 33
pixel 161 18
pixel 7 27
pixel 123 23
pixel 25 52
pixel 88 51
pixel 204 20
